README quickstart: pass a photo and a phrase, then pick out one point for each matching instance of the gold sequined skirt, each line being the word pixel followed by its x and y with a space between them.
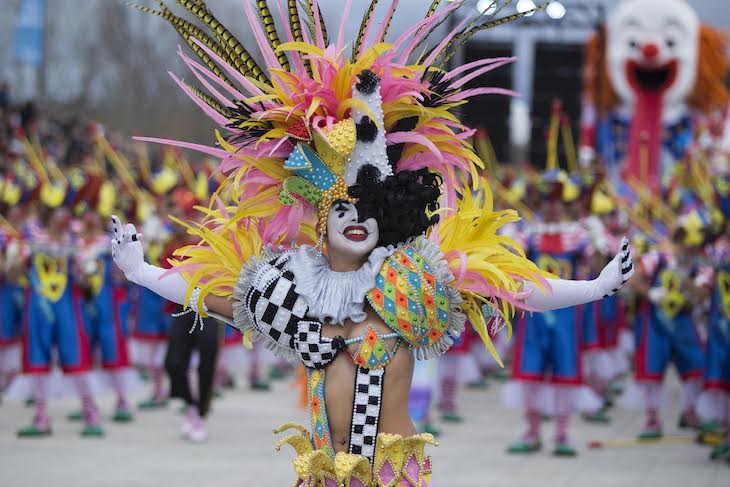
pixel 398 462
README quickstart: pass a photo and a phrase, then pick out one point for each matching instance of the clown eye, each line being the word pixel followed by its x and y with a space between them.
pixel 633 44
pixel 670 43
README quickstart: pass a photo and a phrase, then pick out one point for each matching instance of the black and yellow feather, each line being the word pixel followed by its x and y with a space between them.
pixel 242 60
pixel 363 26
pixel 267 20
pixel 189 31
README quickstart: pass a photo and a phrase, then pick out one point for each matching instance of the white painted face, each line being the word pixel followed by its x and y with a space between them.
pixel 653 46
pixel 347 236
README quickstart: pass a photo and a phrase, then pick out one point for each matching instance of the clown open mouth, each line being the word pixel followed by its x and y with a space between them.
pixel 356 233
pixel 656 79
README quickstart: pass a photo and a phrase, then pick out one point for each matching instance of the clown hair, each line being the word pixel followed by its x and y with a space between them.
pixel 402 204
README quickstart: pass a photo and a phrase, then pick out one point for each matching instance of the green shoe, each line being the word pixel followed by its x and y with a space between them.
pixel 650 434
pixel 29 402
pixel 452 418
pixel 502 375
pixel 92 431
pixel 616 388
pixel 122 416
pixel 720 451
pixel 150 404
pixel 480 384
pixel 276 373
pixel 75 416
pixel 260 386
pixel 33 431
pixel 430 428
pixel 524 447
pixel 711 427
pixel 599 417
pixel 564 450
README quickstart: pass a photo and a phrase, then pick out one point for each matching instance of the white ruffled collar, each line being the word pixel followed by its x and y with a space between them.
pixel 330 295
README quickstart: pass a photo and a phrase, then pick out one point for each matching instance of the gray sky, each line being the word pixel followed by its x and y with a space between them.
pixel 73 25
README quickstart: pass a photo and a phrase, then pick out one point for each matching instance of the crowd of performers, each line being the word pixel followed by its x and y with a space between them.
pixel 66 306
pixel 585 359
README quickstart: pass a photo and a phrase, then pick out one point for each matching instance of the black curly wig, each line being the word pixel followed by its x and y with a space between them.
pixel 399 203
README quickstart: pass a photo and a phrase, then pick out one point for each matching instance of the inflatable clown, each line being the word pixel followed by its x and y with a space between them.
pixel 655 79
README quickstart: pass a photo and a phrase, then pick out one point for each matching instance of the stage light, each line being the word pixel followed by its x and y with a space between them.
pixel 525 6
pixel 555 10
pixel 486 7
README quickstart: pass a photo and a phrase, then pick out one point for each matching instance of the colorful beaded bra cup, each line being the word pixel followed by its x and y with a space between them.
pixel 369 123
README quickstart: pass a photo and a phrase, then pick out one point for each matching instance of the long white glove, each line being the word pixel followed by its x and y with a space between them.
pixel 128 255
pixel 565 294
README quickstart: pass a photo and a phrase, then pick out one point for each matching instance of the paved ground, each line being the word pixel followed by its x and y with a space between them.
pixel 240 452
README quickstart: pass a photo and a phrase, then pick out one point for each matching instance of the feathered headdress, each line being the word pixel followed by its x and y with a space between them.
pixel 319 115
pixel 320 119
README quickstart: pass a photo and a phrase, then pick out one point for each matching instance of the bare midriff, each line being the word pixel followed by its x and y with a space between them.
pixel 340 378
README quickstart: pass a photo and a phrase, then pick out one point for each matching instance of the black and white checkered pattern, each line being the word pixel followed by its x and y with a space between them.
pixel 366 411
pixel 275 307
pixel 316 351
pixel 627 266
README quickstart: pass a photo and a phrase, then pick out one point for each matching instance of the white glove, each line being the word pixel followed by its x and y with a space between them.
pixel 128 255
pixel 566 294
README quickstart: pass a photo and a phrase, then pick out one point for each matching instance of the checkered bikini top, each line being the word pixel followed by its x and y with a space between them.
pixel 316 351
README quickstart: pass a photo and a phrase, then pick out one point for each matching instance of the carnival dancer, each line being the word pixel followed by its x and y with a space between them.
pixel 602 320
pixel 107 310
pixel 714 402
pixel 149 316
pixel 389 283
pixel 56 320
pixel 13 285
pixel 546 367
pixel 665 331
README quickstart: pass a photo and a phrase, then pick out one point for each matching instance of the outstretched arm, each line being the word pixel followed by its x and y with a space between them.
pixel 128 255
pixel 565 294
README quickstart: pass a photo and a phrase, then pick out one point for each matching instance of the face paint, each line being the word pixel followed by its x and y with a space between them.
pixel 347 235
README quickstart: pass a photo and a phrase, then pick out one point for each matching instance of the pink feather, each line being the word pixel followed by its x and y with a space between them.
pixel 462 95
pixel 425 25
pixel 434 54
pixel 216 94
pixel 413 138
pixel 481 71
pixel 474 64
pixel 269 57
pixel 317 25
pixel 212 151
pixel 388 15
pixel 210 75
pixel 343 23
pixel 252 89
pixel 295 56
pixel 215 116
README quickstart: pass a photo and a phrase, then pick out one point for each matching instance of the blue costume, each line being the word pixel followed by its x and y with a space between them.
pixel 551 341
pixel 717 372
pixel 108 311
pixel 665 332
pixel 56 314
